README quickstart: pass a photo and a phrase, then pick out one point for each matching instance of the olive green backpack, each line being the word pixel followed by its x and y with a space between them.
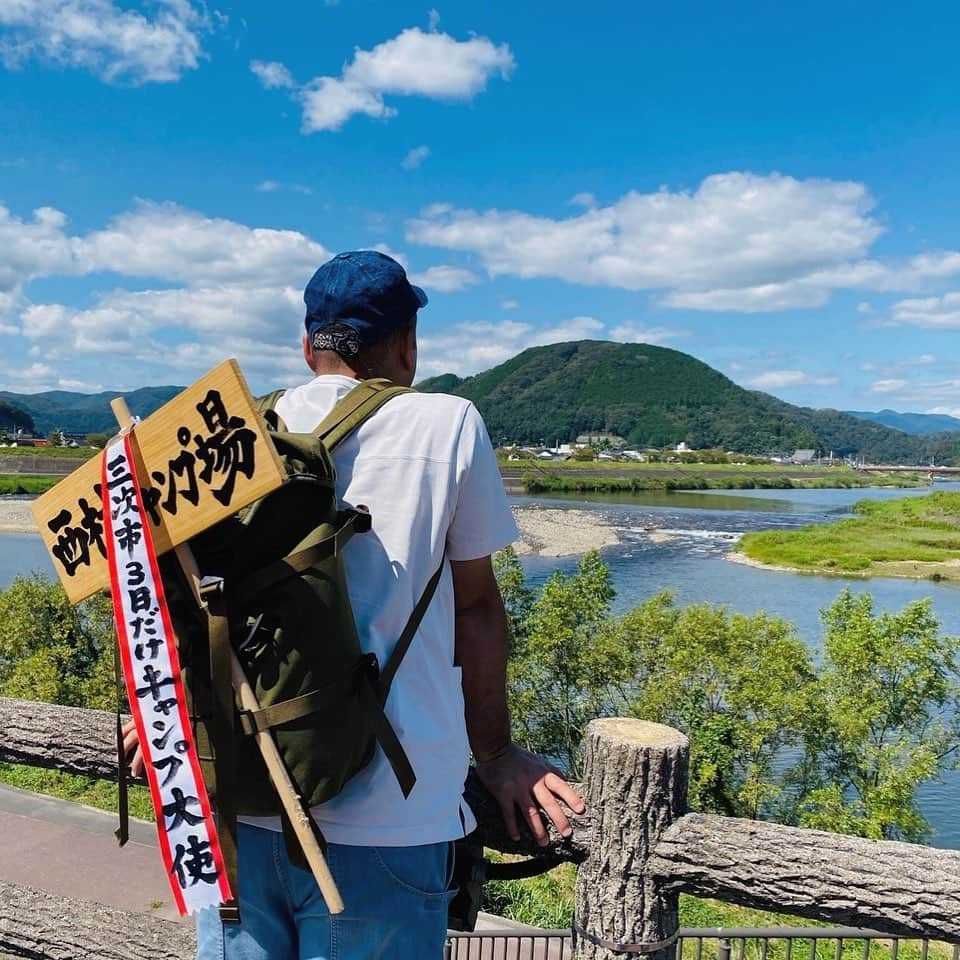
pixel 275 590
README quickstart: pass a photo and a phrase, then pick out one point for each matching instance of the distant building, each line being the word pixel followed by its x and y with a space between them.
pixel 600 440
pixel 803 456
pixel 682 447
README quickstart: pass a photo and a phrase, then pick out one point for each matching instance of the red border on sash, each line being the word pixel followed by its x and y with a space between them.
pixel 130 683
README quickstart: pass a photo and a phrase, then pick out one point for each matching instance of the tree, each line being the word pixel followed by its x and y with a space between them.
pixel 843 746
pixel 737 685
pixel 889 706
pixel 53 651
pixel 55 438
pixel 517 596
pixel 559 675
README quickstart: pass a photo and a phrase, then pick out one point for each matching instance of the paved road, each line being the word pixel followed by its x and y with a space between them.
pixel 69 850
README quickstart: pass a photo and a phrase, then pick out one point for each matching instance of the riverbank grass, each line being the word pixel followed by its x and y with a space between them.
pixel 24 484
pixel 616 477
pixel 913 537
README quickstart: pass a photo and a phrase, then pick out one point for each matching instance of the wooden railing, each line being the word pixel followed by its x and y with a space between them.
pixel 637 848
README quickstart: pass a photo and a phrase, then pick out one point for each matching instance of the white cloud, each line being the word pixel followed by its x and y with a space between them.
pixel 739 242
pixel 509 304
pixel 786 379
pixel 329 103
pixel 939 396
pixel 119 45
pixel 932 312
pixel 587 200
pixel 888 386
pixel 414 63
pixel 129 322
pixel 273 75
pixel 471 347
pixel 225 284
pixel 757 299
pixel 632 332
pixel 444 278
pixel 169 242
pixel 272 186
pixel 415 157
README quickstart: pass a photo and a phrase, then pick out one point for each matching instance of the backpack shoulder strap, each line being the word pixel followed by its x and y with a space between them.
pixel 389 670
pixel 268 401
pixel 266 406
pixel 356 407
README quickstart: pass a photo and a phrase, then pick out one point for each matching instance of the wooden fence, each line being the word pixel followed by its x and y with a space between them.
pixel 637 848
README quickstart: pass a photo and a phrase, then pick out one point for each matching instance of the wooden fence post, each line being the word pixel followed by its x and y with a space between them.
pixel 635 778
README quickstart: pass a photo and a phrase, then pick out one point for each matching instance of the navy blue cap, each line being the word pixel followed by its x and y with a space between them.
pixel 358 298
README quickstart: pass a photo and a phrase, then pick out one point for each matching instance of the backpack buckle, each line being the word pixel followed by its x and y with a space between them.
pixel 362 521
pixel 372 666
pixel 211 588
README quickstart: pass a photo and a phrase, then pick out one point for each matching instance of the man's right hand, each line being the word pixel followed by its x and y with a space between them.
pixel 131 741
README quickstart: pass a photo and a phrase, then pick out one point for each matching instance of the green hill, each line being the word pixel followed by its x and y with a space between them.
pixel 14 418
pixel 654 396
pixel 83 412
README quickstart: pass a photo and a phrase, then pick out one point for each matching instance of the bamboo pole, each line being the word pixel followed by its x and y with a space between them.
pixel 271 755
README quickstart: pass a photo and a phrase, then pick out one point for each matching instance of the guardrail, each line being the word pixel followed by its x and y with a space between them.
pixel 637 847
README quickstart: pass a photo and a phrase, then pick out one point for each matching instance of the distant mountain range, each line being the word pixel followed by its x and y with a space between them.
pixel 918 424
pixel 654 396
pixel 80 412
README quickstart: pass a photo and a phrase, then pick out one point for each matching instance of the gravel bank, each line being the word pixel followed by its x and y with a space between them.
pixel 549 532
pixel 543 532
pixel 16 517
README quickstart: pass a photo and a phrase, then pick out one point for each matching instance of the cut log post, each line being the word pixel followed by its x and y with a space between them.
pixel 37 924
pixel 898 888
pixel 636 787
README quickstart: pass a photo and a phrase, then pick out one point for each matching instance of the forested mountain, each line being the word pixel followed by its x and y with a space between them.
pixel 83 412
pixel 14 418
pixel 654 396
pixel 919 424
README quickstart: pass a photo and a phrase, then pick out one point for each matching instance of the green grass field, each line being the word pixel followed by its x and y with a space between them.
pixel 23 484
pixel 913 537
pixel 573 476
pixel 63 453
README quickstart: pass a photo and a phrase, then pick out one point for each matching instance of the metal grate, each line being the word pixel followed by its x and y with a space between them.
pixel 733 943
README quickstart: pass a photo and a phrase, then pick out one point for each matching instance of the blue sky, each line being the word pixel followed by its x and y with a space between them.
pixel 771 188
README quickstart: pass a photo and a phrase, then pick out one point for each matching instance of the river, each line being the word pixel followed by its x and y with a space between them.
pixel 692 532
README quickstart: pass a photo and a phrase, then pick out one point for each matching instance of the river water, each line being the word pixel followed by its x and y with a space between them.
pixel 678 542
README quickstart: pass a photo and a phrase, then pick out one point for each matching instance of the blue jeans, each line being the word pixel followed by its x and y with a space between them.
pixel 396 905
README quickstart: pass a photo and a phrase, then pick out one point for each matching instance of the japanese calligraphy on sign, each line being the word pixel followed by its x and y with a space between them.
pixel 204 455
pixel 186 831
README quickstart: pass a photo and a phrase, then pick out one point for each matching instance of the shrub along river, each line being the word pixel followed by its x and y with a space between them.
pixel 679 542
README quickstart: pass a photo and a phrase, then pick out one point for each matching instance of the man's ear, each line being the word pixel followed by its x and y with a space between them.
pixel 410 354
pixel 308 351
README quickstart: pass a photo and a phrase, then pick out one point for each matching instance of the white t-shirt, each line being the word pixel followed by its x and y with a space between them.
pixel 424 466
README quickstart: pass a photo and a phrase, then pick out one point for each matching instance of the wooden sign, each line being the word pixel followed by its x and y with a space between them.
pixel 201 457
